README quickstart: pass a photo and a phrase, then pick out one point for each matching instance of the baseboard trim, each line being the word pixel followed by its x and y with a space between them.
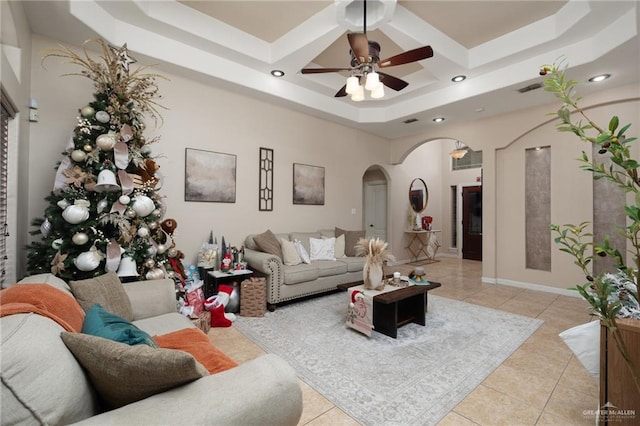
pixel 531 286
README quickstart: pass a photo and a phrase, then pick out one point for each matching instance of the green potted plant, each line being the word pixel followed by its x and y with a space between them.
pixel 611 296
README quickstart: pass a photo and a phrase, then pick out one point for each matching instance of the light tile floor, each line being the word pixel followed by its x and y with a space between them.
pixel 541 383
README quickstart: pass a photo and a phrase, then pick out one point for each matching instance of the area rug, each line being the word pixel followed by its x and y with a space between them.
pixel 415 379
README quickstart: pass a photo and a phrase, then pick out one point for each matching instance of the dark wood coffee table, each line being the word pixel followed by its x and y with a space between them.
pixel 399 307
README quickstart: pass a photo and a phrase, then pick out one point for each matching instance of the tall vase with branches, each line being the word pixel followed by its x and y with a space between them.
pixel 610 296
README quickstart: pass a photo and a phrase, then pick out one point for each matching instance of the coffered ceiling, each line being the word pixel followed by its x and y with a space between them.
pixel 497 45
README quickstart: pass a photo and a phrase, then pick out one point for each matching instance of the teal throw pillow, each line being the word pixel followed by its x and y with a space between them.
pixel 101 323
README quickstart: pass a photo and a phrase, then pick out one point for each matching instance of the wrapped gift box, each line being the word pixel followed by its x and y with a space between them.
pixel 202 321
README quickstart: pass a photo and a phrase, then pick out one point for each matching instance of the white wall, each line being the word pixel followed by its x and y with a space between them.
pixel 503 180
pixel 15 65
pixel 202 117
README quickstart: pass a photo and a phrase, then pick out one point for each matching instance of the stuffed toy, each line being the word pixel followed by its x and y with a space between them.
pixel 148 172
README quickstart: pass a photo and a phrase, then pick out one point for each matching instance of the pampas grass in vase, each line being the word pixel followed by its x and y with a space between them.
pixel 376 254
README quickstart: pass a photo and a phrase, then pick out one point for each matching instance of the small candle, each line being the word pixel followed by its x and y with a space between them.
pixel 396 275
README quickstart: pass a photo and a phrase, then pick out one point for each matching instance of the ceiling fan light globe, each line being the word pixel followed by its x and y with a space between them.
pixel 378 92
pixel 358 95
pixel 373 81
pixel 352 85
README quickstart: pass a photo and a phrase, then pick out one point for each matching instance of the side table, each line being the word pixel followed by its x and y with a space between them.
pixel 233 279
pixel 428 245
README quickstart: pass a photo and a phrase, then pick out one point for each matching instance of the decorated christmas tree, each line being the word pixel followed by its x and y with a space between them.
pixel 104 212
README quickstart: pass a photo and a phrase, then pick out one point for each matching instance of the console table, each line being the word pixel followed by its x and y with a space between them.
pixel 423 242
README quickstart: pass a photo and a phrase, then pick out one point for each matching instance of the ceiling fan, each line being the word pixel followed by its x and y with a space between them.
pixel 365 60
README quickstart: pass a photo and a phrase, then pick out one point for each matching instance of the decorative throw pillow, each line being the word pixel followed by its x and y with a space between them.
pixel 302 252
pixel 101 323
pixel 268 243
pixel 339 247
pixel 122 374
pixel 106 290
pixel 289 254
pixel 322 249
pixel 350 240
pixel 194 341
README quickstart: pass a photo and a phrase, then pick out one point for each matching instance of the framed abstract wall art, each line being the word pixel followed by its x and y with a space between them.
pixel 308 184
pixel 209 176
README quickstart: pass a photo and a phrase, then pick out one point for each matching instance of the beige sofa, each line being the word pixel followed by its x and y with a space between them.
pixel 289 282
pixel 43 383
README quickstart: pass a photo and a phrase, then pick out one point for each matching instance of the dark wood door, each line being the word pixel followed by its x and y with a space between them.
pixel 472 222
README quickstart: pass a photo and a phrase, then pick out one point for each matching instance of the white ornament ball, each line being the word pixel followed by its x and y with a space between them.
pixel 78 155
pixel 151 251
pixel 102 205
pixel 87 111
pixel 149 263
pixel 172 252
pixel 143 205
pixel 56 244
pixel 130 213
pixel 156 213
pixel 103 116
pixel 124 199
pixel 87 261
pixel 153 225
pixel 106 142
pixel 75 214
pixel 155 274
pixel 145 150
pixel 161 248
pixel 80 238
pixel 63 204
pixel 143 232
pixel 45 228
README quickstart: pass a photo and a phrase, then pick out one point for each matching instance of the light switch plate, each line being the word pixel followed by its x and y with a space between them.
pixel 33 115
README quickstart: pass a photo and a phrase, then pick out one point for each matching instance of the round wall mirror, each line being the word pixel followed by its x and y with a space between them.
pixel 418 195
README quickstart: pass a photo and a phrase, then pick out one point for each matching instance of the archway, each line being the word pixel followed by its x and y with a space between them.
pixel 375 202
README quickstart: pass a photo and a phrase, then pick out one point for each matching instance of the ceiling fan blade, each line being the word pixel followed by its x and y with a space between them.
pixel 359 46
pixel 342 92
pixel 407 57
pixel 322 70
pixel 392 82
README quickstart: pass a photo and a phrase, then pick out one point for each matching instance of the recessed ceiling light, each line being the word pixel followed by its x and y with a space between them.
pixel 598 78
pixel 459 78
pixel 438 119
pixel 277 73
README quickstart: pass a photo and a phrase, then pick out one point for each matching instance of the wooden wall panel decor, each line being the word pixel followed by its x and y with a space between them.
pixel 265 190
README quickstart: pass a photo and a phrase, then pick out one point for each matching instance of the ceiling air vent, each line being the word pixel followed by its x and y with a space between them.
pixel 530 88
pixel 410 120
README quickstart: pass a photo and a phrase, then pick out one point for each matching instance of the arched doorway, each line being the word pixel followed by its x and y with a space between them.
pixel 375 205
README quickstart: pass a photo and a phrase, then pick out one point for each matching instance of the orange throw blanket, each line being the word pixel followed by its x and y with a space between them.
pixel 195 342
pixel 45 300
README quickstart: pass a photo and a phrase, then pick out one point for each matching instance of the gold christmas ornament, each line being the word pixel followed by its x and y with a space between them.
pixel 87 148
pixel 155 274
pixel 87 111
pixel 78 155
pixel 80 238
pixel 106 141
